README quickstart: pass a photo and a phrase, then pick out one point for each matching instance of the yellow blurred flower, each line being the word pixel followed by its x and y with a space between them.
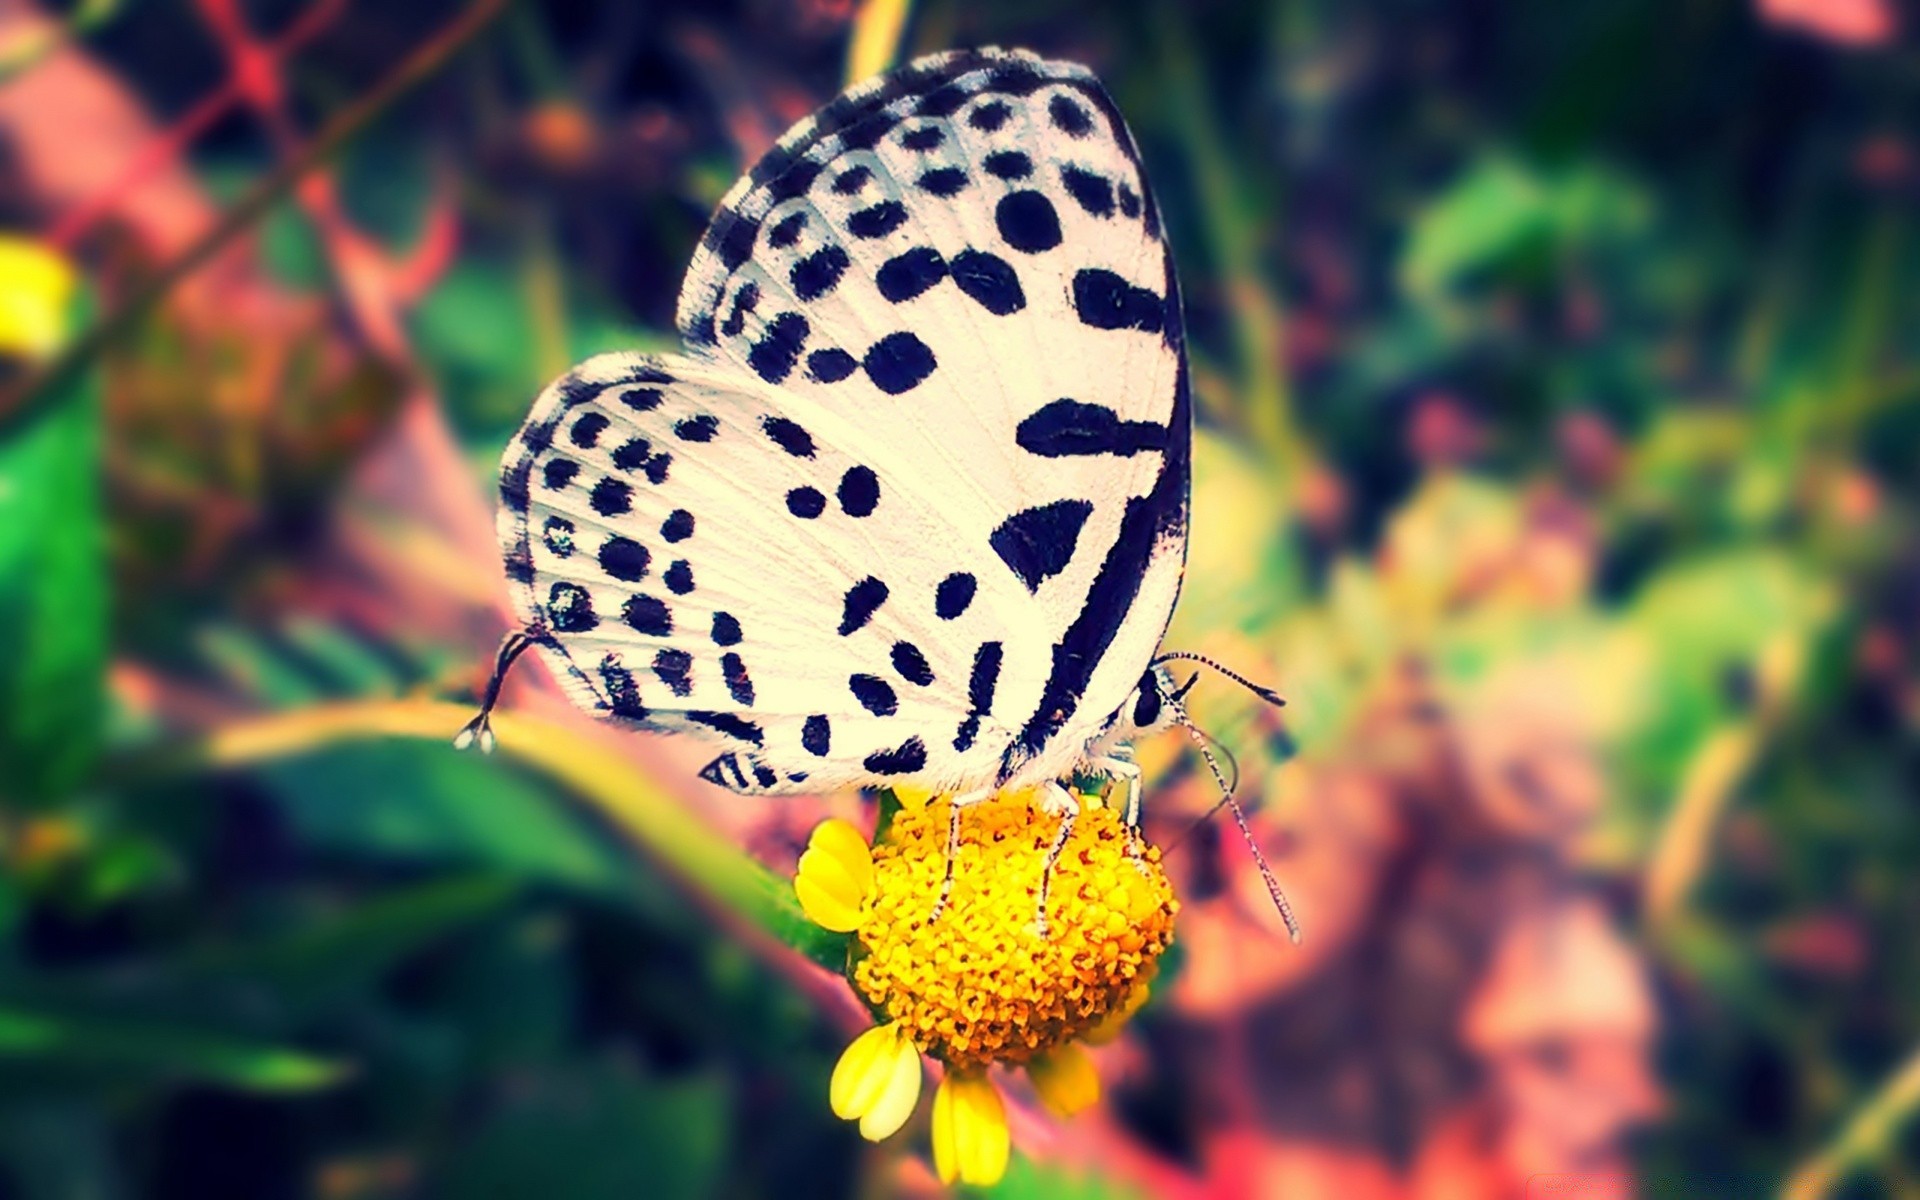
pixel 980 985
pixel 36 287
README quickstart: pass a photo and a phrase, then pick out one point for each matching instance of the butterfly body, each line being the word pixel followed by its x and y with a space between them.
pixel 913 505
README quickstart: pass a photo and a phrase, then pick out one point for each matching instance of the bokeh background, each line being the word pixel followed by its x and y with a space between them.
pixel 1558 380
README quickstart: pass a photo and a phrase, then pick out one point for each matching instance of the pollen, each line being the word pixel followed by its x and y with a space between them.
pixel 979 984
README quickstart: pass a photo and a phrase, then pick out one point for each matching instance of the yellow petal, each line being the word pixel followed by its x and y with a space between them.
pixel 35 287
pixel 835 875
pixel 911 797
pixel 890 1110
pixel 864 1071
pixel 1065 1080
pixel 847 845
pixel 970 1141
pixel 1109 1028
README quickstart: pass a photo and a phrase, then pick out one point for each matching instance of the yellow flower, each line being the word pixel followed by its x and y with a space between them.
pixel 36 285
pixel 980 985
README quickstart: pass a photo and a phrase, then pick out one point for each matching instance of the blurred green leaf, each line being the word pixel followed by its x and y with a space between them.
pixel 428 803
pixel 42 1037
pixel 598 1133
pixel 53 594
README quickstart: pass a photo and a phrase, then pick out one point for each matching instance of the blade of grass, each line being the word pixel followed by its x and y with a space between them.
pixel 1867 1135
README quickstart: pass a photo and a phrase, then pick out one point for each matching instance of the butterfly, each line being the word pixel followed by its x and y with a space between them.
pixel 912 506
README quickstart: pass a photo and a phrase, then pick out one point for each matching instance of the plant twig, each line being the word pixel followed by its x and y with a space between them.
pixel 428 58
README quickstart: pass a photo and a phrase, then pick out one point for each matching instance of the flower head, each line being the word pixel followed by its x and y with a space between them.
pixel 980 984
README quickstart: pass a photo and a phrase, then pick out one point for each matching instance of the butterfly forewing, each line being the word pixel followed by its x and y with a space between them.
pixel 931 443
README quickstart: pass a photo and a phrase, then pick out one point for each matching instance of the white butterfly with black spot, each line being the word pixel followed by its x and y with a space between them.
pixel 912 507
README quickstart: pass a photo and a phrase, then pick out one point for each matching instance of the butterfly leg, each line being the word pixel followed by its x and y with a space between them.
pixel 480 729
pixel 1060 802
pixel 963 800
pixel 1119 764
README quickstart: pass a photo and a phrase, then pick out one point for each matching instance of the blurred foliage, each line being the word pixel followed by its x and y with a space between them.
pixel 1559 378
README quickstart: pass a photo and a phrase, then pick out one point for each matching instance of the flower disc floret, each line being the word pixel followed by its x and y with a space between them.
pixel 979 984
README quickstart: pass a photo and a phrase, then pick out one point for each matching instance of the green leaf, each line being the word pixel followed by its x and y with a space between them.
pixel 428 803
pixel 58 1039
pixel 1496 210
pixel 53 596
pixel 326 959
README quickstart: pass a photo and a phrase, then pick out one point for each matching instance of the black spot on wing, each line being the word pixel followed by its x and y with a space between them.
pixel 726 629
pixel 806 503
pixel 943 181
pixel 513 485
pixel 657 467
pixel 745 300
pixel 739 685
pixel 519 563
pixel 908 757
pixel 788 231
pixel 788 179
pixel 830 365
pixel 647 614
pixel 642 399
pixel 1129 201
pixel 816 735
pixel 1008 164
pixel 773 356
pixel 1069 117
pixel 862 600
pixel 624 559
pixel 699 428
pixel 874 694
pixel 632 453
pixel 623 695
pixel 990 116
pixel 1090 191
pixel 557 533
pixel 730 724
pixel 1069 427
pixel 898 362
pixel 570 609
pixel 675 669
pixel 859 491
pixel 953 595
pixel 943 101
pixel 1037 544
pixel 851 180
pixel 611 497
pixel 1106 301
pixel 989 281
pixel 731 237
pixel 789 435
pixel 878 221
pixel 678 526
pixel 586 431
pixel 908 274
pixel 923 139
pixel 1027 222
pixel 558 473
pixel 911 664
pixel 678 577
pixel 981 684
pixel 819 273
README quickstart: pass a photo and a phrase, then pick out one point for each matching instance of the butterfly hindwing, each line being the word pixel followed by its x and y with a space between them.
pixel 950 289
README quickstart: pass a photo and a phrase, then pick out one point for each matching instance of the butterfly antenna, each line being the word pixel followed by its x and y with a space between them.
pixel 1265 693
pixel 480 729
pixel 1239 818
